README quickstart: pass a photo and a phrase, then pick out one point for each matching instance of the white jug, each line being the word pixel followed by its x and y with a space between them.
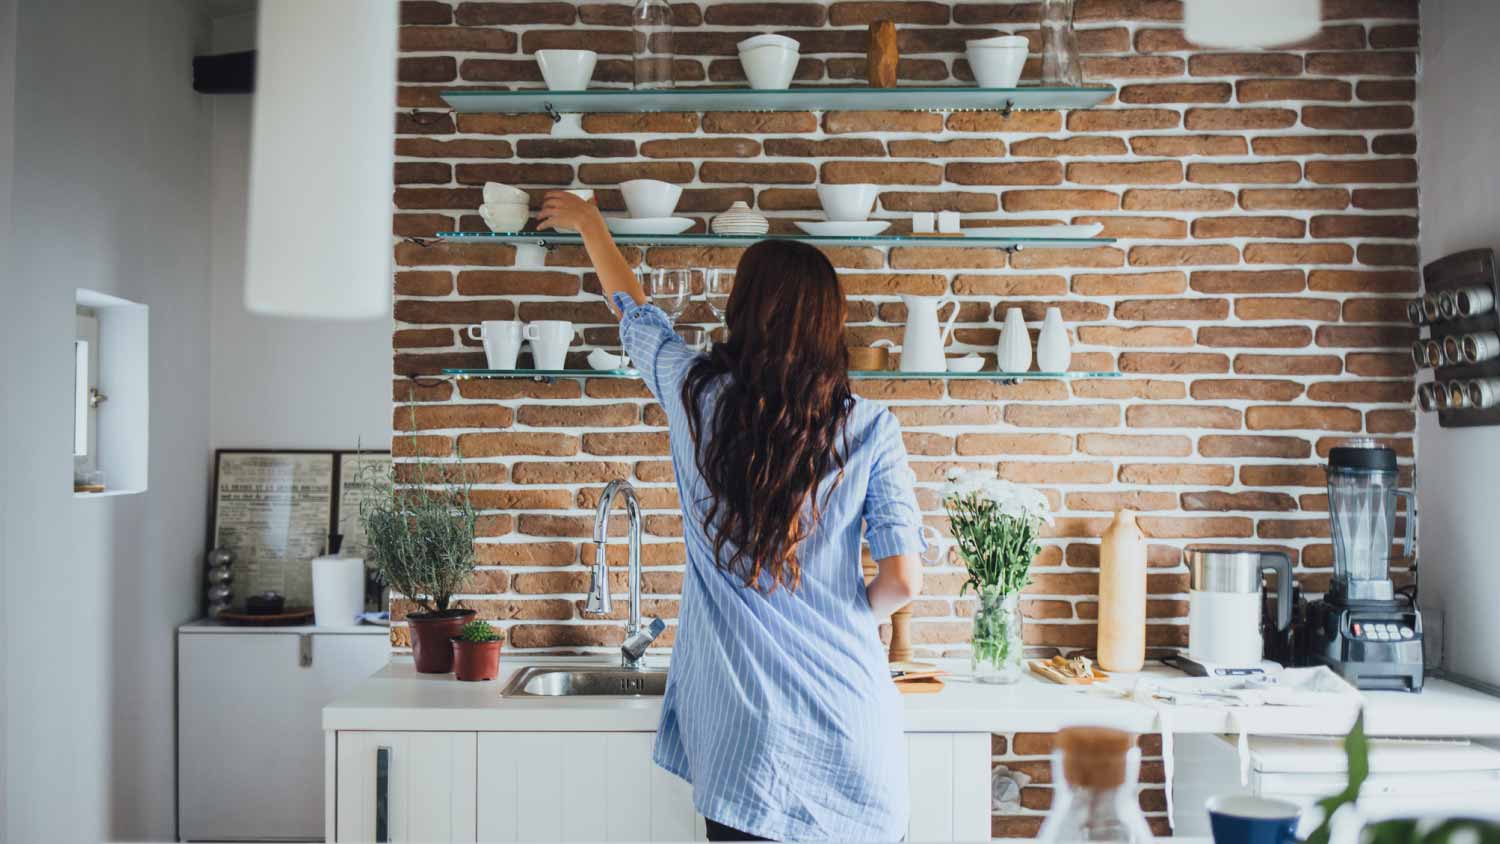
pixel 922 344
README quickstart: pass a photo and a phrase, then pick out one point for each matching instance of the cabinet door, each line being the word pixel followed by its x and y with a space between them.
pixel 950 786
pixel 405 787
pixel 580 787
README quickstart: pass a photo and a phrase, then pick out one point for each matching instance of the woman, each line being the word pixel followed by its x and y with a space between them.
pixel 779 707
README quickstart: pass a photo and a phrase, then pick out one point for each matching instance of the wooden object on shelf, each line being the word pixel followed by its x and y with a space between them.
pixel 919 685
pixel 882 56
pixel 901 635
pixel 1057 669
pixel 290 616
pixel 1122 595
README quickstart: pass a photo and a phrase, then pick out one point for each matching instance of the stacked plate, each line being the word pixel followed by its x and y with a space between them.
pixel 650 203
pixel 847 208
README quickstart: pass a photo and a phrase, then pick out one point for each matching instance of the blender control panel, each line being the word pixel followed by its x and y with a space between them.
pixel 1374 630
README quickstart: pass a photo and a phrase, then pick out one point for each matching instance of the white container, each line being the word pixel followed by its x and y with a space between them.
pixel 504 216
pixel 1053 353
pixel 1122 595
pixel 1013 353
pixel 567 70
pixel 338 590
pixel 1224 628
pixel 847 203
pixel 494 192
pixel 549 340
pixel 501 339
pixel 923 341
pixel 649 199
pixel 769 67
pixel 997 62
pixel 740 219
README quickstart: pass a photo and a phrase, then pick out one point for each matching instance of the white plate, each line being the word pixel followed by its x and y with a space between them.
pixel 649 225
pixel 868 228
pixel 1024 232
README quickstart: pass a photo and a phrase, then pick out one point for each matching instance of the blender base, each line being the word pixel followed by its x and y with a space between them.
pixel 1376 646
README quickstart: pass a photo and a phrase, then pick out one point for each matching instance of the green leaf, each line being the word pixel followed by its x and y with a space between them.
pixel 1357 755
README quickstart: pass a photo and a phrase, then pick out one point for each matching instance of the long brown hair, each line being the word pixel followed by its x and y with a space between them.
pixel 781 408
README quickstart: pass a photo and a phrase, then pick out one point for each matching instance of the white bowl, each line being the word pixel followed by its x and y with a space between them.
pixel 847 203
pixel 769 39
pixel 967 363
pixel 567 70
pixel 997 66
pixel 496 192
pixel 652 225
pixel 769 67
pixel 1000 41
pixel 505 216
pixel 818 228
pixel 648 198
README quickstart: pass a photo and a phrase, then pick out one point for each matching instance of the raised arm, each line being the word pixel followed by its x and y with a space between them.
pixel 566 210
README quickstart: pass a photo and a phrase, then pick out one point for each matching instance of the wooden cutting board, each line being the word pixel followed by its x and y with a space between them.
pixel 919 685
pixel 1043 668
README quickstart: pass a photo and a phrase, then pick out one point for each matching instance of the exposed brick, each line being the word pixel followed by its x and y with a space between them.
pixel 1277 199
pixel 1029 173
pixel 1059 147
pixel 1309 145
pixel 1227 119
pixel 1362 172
pixel 1185 145
pixel 1132 173
pixel 1245 64
pixel 1270 418
pixel 1263 90
pixel 1358 117
pixel 1362 63
pixel 1177 92
pixel 1178 200
pixel 1221 227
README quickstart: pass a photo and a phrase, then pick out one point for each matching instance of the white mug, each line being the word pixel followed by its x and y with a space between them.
pixel 550 339
pixel 502 341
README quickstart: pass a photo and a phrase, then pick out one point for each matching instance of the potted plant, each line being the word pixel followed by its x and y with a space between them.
pixel 420 536
pixel 476 652
pixel 995 525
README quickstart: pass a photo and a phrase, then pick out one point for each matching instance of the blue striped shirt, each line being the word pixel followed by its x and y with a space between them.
pixel 779 708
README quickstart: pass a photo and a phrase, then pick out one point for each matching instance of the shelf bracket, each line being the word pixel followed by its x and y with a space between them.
pixel 549 380
pixel 425 118
pixel 1010 107
pixel 552 112
pixel 423 242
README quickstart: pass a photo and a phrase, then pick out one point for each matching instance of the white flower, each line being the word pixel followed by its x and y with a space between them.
pixel 1012 499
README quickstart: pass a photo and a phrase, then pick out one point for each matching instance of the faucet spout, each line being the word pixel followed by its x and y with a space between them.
pixel 637 638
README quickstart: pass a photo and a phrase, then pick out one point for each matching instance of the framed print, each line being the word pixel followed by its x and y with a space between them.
pixel 274 510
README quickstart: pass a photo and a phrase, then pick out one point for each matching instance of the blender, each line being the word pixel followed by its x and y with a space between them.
pixel 1363 628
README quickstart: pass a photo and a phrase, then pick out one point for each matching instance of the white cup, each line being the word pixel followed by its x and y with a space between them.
pixel 847 203
pixel 567 70
pixel 998 62
pixel 584 194
pixel 549 339
pixel 494 193
pixel 650 198
pixel 504 216
pixel 502 341
pixel 769 66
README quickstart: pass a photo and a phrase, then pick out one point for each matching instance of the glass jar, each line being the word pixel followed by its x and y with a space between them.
pixel 654 53
pixel 1095 769
pixel 1061 65
pixel 996 645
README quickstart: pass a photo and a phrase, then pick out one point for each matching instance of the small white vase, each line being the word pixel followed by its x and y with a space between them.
pixel 1014 351
pixel 1053 354
pixel 740 219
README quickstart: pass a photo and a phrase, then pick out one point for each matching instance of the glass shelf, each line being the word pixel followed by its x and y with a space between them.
pixel 853 98
pixel 550 375
pixel 549 239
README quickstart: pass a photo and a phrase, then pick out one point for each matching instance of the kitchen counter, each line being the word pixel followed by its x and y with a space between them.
pixel 398 698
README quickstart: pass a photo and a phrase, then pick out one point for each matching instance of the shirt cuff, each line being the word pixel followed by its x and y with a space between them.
pixel 895 540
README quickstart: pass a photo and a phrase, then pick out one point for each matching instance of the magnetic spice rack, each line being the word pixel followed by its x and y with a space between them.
pixel 1471 268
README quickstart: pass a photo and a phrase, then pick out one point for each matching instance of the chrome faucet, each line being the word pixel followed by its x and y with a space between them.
pixel 637 638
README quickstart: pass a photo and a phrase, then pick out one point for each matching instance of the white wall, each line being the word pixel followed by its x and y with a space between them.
pixel 8 292
pixel 1458 468
pixel 280 382
pixel 110 193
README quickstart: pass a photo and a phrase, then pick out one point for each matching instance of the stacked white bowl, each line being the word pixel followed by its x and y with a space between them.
pixel 650 203
pixel 997 62
pixel 505 209
pixel 769 61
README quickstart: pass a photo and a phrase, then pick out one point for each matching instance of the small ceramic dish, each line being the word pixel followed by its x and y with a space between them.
pixel 649 225
pixel 830 228
pixel 967 363
pixel 600 359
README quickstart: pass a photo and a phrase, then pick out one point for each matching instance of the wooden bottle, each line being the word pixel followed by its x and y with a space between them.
pixel 882 55
pixel 1122 595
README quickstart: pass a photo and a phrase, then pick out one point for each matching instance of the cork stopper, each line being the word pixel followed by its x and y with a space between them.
pixel 1094 757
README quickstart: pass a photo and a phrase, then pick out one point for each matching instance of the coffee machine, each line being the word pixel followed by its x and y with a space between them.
pixel 1362 628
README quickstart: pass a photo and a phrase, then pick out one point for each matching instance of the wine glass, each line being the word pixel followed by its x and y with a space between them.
pixel 669 290
pixel 716 289
pixel 693 337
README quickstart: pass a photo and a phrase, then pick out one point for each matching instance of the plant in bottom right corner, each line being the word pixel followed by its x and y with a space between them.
pixel 995 526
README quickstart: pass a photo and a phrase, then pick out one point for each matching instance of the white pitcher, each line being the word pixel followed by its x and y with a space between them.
pixel 922 344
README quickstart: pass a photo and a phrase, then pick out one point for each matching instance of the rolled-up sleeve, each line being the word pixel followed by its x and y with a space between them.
pixel 893 524
pixel 646 335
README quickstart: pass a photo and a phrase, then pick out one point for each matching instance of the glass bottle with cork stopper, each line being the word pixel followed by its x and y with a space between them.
pixel 1096 770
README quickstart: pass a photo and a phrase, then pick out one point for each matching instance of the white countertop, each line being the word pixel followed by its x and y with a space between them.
pixel 398 698
pixel 213 626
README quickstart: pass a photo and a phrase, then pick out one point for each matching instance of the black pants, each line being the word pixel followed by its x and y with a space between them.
pixel 720 832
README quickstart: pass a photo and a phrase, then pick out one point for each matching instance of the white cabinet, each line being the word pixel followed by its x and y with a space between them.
pixel 249 733
pixel 405 787
pixel 950 786
pixel 580 787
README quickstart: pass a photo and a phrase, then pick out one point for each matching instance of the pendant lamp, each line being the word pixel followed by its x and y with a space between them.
pixel 1242 24
pixel 319 233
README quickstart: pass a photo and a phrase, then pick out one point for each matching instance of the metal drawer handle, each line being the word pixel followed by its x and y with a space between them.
pixel 382 794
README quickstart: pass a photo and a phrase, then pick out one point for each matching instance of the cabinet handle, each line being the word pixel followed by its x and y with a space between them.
pixel 382 794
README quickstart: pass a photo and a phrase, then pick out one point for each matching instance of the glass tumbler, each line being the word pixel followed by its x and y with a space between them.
pixel 1061 64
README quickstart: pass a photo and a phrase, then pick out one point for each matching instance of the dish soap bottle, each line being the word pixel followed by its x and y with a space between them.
pixel 1096 770
pixel 1122 595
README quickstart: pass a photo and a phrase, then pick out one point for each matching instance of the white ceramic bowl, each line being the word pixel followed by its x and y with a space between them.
pixel 968 363
pixel 495 192
pixel 997 65
pixel 651 225
pixel 821 228
pixel 771 39
pixel 769 67
pixel 566 70
pixel 1000 41
pixel 847 203
pixel 648 198
pixel 505 216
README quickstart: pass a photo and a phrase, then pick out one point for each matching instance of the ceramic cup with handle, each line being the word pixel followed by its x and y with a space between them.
pixel 501 339
pixel 567 70
pixel 1245 819
pixel 549 339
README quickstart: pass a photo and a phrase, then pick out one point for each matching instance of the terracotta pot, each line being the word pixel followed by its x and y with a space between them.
pixel 869 358
pixel 476 660
pixel 430 634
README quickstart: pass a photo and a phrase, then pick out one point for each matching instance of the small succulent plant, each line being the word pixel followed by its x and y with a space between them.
pixel 479 631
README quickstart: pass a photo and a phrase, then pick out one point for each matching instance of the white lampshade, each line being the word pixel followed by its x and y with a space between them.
pixel 1238 24
pixel 321 156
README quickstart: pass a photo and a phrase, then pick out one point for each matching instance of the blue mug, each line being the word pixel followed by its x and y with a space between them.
pixel 1242 819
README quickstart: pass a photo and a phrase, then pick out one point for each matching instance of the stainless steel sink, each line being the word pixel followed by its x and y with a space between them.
pixel 569 681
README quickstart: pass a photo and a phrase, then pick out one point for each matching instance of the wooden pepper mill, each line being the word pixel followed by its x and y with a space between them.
pixel 882 56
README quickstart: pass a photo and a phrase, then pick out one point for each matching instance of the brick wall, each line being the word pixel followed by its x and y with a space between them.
pixel 1265 205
